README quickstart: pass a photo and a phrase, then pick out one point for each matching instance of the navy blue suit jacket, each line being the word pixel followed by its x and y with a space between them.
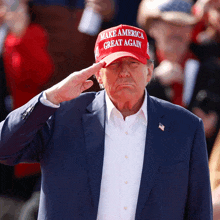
pixel 69 144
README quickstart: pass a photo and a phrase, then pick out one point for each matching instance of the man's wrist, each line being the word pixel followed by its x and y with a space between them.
pixel 46 102
pixel 52 97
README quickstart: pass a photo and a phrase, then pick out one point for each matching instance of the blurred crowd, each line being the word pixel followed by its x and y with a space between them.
pixel 43 41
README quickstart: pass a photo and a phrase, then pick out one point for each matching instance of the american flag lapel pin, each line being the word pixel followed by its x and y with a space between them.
pixel 161 126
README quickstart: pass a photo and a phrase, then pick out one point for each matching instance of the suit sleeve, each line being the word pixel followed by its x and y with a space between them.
pixel 25 132
pixel 199 201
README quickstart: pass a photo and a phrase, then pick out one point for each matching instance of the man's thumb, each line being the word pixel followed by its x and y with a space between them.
pixel 86 85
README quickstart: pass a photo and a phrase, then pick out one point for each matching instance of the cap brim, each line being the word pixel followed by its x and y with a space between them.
pixel 114 56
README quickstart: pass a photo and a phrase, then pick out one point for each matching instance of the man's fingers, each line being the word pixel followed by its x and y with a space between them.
pixel 86 73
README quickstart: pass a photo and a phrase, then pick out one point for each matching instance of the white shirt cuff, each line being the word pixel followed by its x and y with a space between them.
pixel 46 102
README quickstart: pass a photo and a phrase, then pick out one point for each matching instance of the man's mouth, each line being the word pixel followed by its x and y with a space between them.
pixel 125 84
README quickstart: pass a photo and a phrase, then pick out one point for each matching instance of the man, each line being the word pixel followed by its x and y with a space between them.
pixel 115 154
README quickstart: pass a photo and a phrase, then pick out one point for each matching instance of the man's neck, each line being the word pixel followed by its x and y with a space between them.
pixel 128 107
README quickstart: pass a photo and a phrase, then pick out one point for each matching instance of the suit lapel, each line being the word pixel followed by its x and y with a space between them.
pixel 154 141
pixel 94 130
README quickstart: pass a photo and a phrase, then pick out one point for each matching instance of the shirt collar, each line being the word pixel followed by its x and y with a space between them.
pixel 110 106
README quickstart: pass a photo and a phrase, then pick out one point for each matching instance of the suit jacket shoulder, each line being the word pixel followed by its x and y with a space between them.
pixel 174 112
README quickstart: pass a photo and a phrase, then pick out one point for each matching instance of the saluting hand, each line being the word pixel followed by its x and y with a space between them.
pixel 73 85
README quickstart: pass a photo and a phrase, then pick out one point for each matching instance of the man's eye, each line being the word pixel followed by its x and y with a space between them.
pixel 133 63
pixel 115 64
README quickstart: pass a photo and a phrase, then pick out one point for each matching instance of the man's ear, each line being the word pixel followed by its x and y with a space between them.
pixel 98 76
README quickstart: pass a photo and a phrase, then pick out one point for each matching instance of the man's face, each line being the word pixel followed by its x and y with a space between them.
pixel 125 79
pixel 172 40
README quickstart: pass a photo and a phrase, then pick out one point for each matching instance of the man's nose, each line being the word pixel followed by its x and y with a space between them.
pixel 124 71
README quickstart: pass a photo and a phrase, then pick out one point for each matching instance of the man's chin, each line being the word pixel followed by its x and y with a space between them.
pixel 125 91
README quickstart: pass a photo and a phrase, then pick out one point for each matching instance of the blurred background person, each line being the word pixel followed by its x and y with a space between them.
pixel 4 110
pixel 6 172
pixel 169 23
pixel 214 167
pixel 27 66
pixel 206 46
pixel 27 63
pixel 181 76
pixel 206 42
pixel 70 49
pixel 208 28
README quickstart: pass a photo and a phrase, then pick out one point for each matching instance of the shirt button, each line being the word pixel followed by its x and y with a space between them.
pixel 125 208
pixel 126 156
pixel 126 182
pixel 126 133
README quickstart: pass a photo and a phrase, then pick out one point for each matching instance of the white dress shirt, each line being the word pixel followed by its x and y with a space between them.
pixel 123 161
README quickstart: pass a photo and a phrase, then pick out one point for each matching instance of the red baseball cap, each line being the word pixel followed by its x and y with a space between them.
pixel 121 41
